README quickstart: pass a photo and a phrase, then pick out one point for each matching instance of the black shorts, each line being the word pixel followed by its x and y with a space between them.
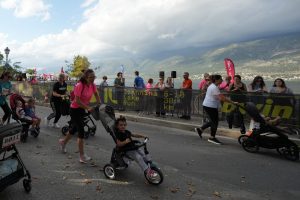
pixel 77 121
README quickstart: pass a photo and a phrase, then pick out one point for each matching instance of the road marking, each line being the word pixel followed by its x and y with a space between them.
pixel 85 181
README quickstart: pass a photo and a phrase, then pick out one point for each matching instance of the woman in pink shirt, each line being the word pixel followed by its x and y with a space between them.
pixel 84 90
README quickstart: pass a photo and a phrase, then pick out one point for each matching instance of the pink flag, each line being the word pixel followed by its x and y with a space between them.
pixel 229 66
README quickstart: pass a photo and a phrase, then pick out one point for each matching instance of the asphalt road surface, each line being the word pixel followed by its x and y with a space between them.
pixel 193 169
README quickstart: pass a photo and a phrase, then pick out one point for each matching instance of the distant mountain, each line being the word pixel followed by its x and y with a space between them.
pixel 271 57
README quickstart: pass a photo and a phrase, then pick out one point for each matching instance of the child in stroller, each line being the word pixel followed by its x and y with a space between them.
pixel 126 149
pixel 265 134
pixel 18 107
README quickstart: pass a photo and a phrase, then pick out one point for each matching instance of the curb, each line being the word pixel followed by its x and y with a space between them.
pixel 231 133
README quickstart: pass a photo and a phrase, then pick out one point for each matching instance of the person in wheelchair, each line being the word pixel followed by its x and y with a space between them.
pixel 127 145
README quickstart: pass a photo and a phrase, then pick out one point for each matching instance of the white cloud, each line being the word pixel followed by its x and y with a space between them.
pixel 27 8
pixel 136 27
pixel 87 3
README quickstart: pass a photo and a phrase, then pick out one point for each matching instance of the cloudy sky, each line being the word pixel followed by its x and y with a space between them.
pixel 45 33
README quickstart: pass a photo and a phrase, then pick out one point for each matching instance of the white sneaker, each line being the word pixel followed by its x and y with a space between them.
pixel 84 158
pixel 55 125
pixel 47 121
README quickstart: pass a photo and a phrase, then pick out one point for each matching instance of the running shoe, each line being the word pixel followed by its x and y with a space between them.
pixel 62 145
pixel 84 158
pixel 199 131
pixel 214 141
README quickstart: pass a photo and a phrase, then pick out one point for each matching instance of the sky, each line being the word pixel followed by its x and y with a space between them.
pixel 43 34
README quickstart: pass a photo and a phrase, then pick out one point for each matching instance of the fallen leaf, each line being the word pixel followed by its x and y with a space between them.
pixel 98 188
pixel 64 178
pixel 82 174
pixel 174 189
pixel 70 157
pixel 217 194
pixel 87 181
pixel 155 197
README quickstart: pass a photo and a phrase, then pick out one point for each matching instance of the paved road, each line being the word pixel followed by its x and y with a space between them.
pixel 193 169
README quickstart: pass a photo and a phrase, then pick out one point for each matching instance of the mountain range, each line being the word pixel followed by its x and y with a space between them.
pixel 276 56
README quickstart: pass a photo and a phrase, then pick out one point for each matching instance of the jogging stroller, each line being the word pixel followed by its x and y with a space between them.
pixel 25 123
pixel 267 136
pixel 119 160
pixel 12 169
pixel 89 126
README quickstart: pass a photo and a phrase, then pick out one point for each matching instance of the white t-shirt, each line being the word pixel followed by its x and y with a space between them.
pixel 212 96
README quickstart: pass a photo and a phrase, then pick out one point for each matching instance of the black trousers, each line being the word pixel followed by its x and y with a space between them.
pixel 7 112
pixel 77 121
pixel 187 101
pixel 56 107
pixel 213 116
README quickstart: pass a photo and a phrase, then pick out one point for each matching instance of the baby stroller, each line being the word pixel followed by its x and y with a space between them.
pixel 12 169
pixel 119 159
pixel 89 126
pixel 25 123
pixel 267 136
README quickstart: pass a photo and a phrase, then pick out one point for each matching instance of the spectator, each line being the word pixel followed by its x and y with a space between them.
pixel 150 101
pixel 211 104
pixel 160 111
pixel 138 85
pixel 282 95
pixel 84 90
pixel 102 86
pixel 104 82
pixel 225 84
pixel 138 81
pixel 5 89
pixel 237 90
pixel 257 88
pixel 119 84
pixel 169 83
pixel 187 99
pixel 58 93
pixel 258 85
pixel 203 81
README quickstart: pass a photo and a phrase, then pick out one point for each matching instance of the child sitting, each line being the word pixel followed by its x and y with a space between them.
pixel 124 140
pixel 30 114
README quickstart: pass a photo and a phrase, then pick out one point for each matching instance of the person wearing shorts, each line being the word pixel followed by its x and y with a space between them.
pixel 84 90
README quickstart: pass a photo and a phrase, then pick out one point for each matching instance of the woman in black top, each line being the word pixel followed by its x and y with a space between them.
pixel 237 93
pixel 59 92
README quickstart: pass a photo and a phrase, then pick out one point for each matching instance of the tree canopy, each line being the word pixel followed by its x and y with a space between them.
pixel 80 63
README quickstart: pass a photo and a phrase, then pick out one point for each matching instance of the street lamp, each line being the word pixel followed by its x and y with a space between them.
pixel 6 51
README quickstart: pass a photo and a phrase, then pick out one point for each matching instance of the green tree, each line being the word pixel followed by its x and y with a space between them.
pixel 80 63
pixel 30 71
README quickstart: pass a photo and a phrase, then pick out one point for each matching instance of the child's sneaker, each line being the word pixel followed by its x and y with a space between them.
pixel 84 158
pixel 62 145
pixel 151 174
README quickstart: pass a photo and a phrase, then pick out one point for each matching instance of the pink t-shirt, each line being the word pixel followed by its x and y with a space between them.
pixel 201 84
pixel 224 86
pixel 84 92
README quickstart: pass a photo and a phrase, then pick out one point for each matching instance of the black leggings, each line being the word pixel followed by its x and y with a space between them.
pixel 213 122
pixel 77 121
pixel 55 105
pixel 7 112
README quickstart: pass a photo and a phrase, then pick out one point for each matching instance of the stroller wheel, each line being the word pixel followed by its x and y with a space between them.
pixel 34 133
pixel 109 171
pixel 250 145
pixel 64 130
pixel 92 131
pixel 291 153
pixel 242 138
pixel 27 185
pixel 157 179
pixel 86 135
